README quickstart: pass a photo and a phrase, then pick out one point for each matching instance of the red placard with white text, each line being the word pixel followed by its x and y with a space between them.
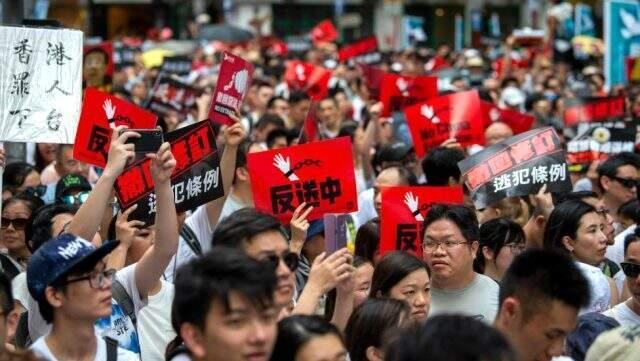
pixel 359 49
pixel 101 113
pixel 403 213
pixel 233 83
pixel 398 92
pixel 456 115
pixel 518 122
pixel 589 110
pixel 319 173
pixel 310 78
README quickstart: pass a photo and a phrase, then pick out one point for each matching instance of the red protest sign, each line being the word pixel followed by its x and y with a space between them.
pixel 398 92
pixel 101 113
pixel 312 79
pixel 324 32
pixel 309 132
pixel 361 47
pixel 319 173
pixel 403 212
pixel 593 110
pixel 373 77
pixel 233 82
pixel 456 115
pixel 518 122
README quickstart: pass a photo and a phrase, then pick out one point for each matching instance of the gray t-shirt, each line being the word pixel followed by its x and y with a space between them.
pixel 478 300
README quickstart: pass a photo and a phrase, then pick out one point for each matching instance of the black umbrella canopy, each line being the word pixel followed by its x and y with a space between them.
pixel 225 33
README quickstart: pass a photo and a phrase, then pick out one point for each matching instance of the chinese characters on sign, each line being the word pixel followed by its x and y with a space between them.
pixel 593 110
pixel 398 92
pixel 517 166
pixel 599 140
pixel 172 94
pixel 318 173
pixel 233 83
pixel 42 86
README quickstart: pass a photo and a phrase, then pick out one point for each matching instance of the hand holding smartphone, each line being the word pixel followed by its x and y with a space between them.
pixel 149 141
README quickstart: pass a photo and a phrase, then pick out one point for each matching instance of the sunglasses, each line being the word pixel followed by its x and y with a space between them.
pixel 290 259
pixel 630 270
pixel 38 191
pixel 77 199
pixel 627 182
pixel 19 224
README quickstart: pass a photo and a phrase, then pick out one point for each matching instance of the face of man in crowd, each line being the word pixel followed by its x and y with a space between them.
pixel 387 178
pixel 618 191
pixel 448 262
pixel 633 256
pixel 67 165
pixel 328 113
pixel 95 68
pixel 272 243
pixel 298 111
pixel 243 332
pixel 262 97
pixel 497 132
pixel 541 335
pixel 280 107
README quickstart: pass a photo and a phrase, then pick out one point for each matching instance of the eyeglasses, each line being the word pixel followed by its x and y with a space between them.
pixel 630 270
pixel 433 245
pixel 96 279
pixel 19 224
pixel 77 199
pixel 516 248
pixel 627 182
pixel 290 259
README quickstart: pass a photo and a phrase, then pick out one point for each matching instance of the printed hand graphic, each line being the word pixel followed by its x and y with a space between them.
pixel 285 167
pixel 427 112
pixel 109 109
pixel 412 202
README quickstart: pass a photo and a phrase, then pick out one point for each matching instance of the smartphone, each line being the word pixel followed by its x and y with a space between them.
pixel 149 142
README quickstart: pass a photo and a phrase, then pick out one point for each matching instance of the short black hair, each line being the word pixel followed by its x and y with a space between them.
pixel 297 96
pixel 629 210
pixel 451 338
pixel 495 234
pixel 15 174
pixel 240 226
pixel 630 238
pixel 440 164
pixel 564 221
pixel 367 240
pixel 369 323
pixel 6 295
pixel 537 277
pixel 274 99
pixel 213 277
pixel 295 331
pixel 348 129
pixel 39 230
pixel 392 269
pixel 270 119
pixel 464 218
pixel 610 166
pixel 275 134
pixel 573 196
pixel 241 155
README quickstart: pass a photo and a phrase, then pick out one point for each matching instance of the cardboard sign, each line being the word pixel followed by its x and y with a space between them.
pixel 310 132
pixel 518 166
pixel 319 173
pixel 593 110
pixel 456 115
pixel 518 122
pixel 233 82
pixel 398 92
pixel 324 32
pixel 101 113
pixel 403 212
pixel 179 65
pixel 41 84
pixel 97 67
pixel 312 79
pixel 195 181
pixel 599 141
pixel 170 94
pixel 363 51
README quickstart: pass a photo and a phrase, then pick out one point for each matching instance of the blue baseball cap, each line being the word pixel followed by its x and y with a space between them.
pixel 56 257
pixel 315 228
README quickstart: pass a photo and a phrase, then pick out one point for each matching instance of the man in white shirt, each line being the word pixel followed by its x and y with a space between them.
pixel 628 312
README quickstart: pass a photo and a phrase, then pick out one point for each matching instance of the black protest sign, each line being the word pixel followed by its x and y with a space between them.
pixel 179 65
pixel 124 55
pixel 195 181
pixel 518 166
pixel 172 94
pixel 598 141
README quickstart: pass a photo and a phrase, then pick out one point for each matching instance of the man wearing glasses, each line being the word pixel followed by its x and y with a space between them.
pixel 68 278
pixel 449 247
pixel 628 313
pixel 618 180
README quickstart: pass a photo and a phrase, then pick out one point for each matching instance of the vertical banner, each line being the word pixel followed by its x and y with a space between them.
pixel 319 173
pixel 584 24
pixel 515 167
pixel 403 213
pixel 41 84
pixel 233 82
pixel 621 38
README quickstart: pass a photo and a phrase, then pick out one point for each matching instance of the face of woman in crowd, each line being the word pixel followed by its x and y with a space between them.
pixel 415 290
pixel 14 220
pixel 362 281
pixel 31 181
pixel 322 348
pixel 590 243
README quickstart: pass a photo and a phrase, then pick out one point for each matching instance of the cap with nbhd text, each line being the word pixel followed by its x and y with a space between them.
pixel 56 257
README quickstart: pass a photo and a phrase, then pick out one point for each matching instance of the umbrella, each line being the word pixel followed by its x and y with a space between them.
pixel 225 33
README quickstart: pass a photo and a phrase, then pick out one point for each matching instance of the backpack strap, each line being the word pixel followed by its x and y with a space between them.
pixel 124 300
pixel 192 240
pixel 112 349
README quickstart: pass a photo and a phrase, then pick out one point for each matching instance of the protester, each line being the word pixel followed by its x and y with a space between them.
pixel 618 178
pixel 627 313
pixel 17 212
pixel 308 338
pixel 18 177
pixel 501 240
pixel 367 242
pixel 449 247
pixel 403 277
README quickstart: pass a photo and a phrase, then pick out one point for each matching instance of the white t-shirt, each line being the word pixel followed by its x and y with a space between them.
pixel 198 221
pixel 41 349
pixel 623 314
pixel 366 207
pixel 154 324
pixel 616 252
pixel 117 326
pixel 478 300
pixel 231 204
pixel 600 289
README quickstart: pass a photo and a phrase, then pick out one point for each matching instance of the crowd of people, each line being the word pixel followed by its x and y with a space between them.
pixel 538 277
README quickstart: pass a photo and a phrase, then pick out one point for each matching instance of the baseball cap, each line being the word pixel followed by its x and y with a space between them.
pixel 315 228
pixel 590 326
pixel 620 344
pixel 394 152
pixel 72 182
pixel 57 257
pixel 512 96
